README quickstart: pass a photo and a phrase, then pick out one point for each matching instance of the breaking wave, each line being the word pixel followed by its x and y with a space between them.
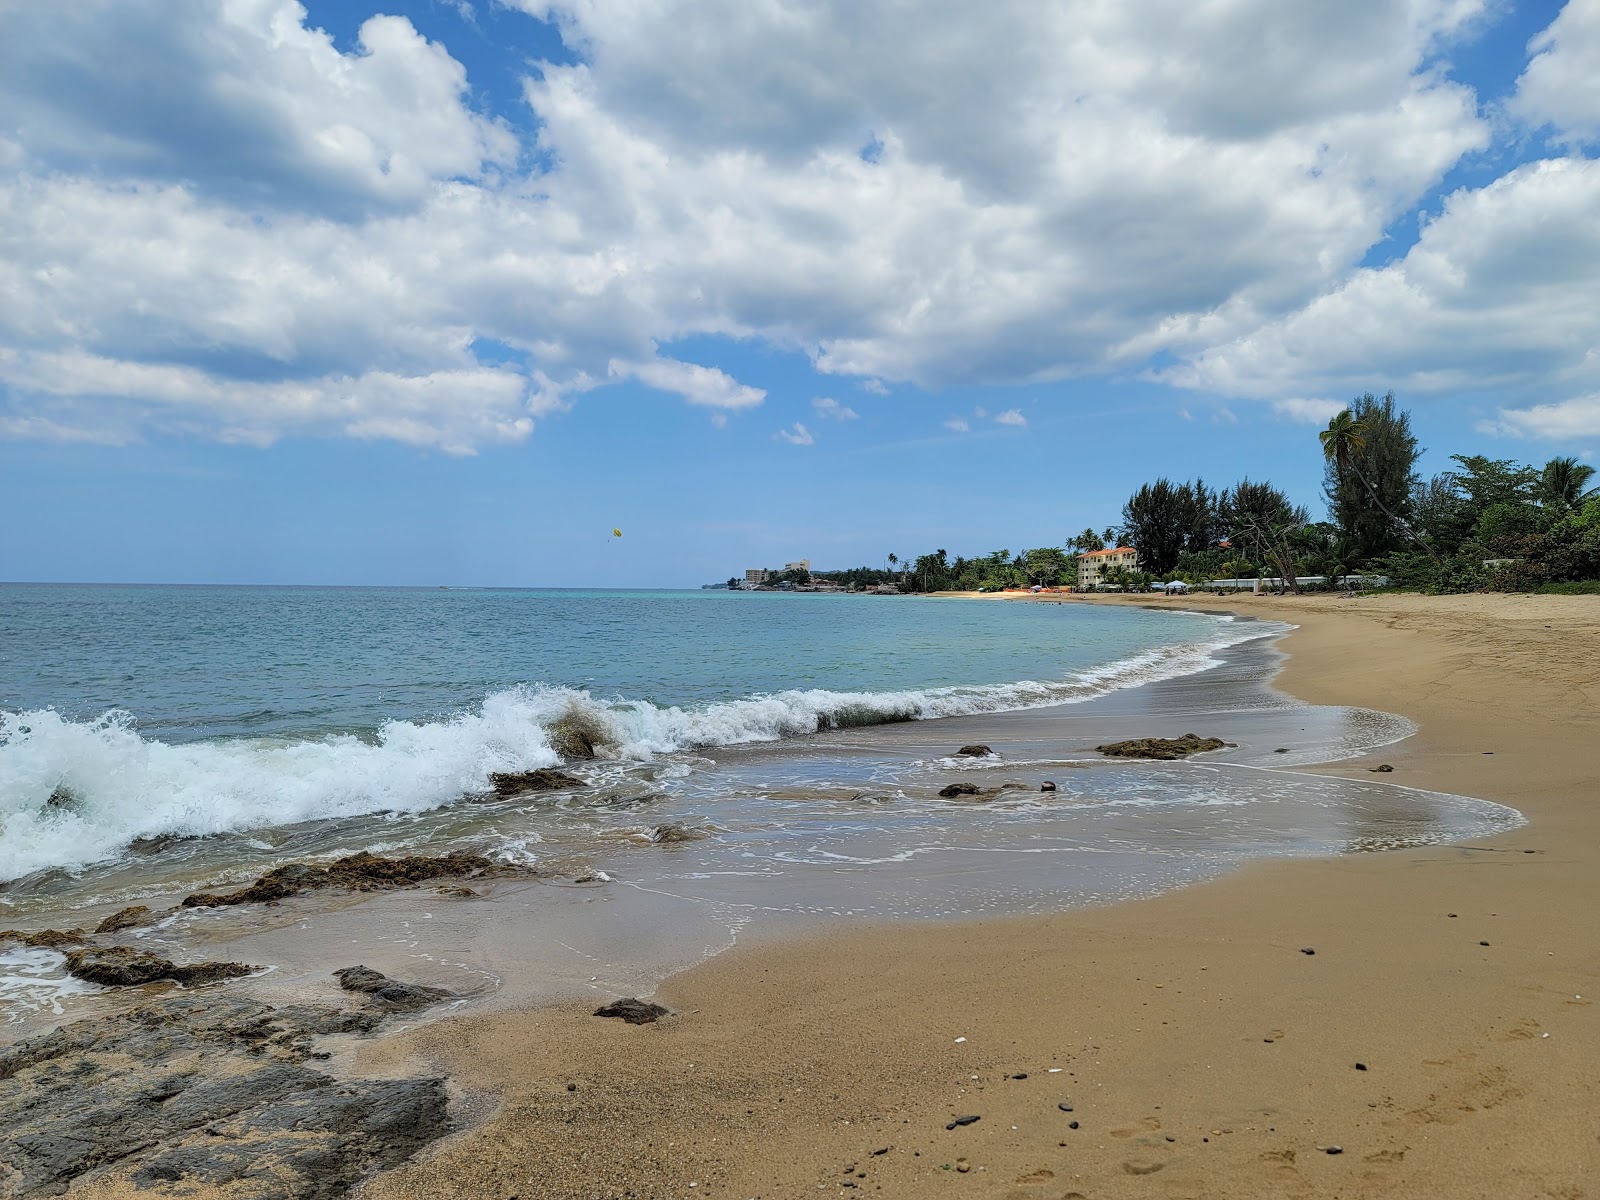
pixel 74 793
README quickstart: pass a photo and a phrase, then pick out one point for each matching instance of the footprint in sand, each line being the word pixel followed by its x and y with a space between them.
pixel 1148 1125
pixel 1042 1175
pixel 1142 1166
pixel 1385 1156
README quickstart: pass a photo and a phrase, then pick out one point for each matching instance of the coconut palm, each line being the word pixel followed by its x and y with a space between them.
pixel 1562 483
pixel 1342 444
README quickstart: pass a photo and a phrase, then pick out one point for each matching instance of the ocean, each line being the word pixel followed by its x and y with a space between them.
pixel 155 740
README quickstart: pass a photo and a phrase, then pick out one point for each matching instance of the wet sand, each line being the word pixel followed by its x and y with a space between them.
pixel 1200 1050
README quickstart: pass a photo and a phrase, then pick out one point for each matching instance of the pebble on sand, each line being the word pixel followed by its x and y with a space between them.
pixel 960 1121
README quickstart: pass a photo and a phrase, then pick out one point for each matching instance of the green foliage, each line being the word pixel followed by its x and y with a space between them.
pixel 1370 475
pixel 1164 520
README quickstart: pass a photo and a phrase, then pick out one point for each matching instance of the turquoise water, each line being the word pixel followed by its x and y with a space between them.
pixel 152 712
pixel 158 740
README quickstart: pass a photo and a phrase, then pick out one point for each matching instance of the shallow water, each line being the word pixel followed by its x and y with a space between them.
pixel 839 825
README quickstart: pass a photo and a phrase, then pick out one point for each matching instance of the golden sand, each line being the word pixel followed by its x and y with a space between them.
pixel 1201 1051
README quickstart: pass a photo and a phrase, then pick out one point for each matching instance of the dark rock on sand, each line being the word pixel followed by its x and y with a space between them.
pixel 1307 950
pixel 390 993
pixel 1381 769
pixel 62 797
pixel 209 1092
pixel 545 779
pixel 362 872
pixel 575 735
pixel 633 1011
pixel 668 834
pixel 45 939
pixel 959 1121
pixel 1047 786
pixel 951 791
pixel 126 918
pixel 974 751
pixel 123 966
pixel 1165 749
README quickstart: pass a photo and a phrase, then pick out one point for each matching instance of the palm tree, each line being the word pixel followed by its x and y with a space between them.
pixel 892 561
pixel 1562 483
pixel 1342 444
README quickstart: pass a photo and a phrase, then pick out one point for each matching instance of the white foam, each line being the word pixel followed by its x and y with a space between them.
pixel 124 786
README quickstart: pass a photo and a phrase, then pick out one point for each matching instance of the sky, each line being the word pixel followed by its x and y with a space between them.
pixel 444 291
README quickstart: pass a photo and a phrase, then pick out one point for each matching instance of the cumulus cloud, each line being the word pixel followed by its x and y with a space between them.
pixel 826 406
pixel 1011 416
pixel 1308 411
pixel 958 425
pixel 796 435
pixel 1497 293
pixel 705 386
pixel 216 196
pixel 1562 422
pixel 1561 86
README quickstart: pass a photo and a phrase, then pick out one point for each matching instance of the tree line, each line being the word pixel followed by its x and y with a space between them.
pixel 1482 524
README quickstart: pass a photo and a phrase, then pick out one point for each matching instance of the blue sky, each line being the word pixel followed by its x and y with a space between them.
pixel 442 292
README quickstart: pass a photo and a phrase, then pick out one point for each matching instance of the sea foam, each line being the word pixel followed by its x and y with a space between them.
pixel 73 793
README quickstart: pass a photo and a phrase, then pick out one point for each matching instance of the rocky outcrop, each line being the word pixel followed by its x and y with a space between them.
pixel 676 833
pixel 545 779
pixel 123 966
pixel 975 750
pixel 362 872
pixel 952 790
pixel 633 1011
pixel 45 939
pixel 204 1092
pixel 390 994
pixel 1162 748
pixel 126 918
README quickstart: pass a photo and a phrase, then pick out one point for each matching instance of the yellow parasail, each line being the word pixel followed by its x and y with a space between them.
pixel 616 533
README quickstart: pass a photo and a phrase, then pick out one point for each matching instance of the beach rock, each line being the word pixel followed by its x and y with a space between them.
pixel 456 890
pixel 951 791
pixel 545 779
pixel 960 1121
pixel 390 993
pixel 1307 950
pixel 45 939
pixel 1381 769
pixel 974 751
pixel 633 1011
pixel 670 833
pixel 362 872
pixel 62 797
pixel 576 734
pixel 1047 786
pixel 123 966
pixel 125 918
pixel 209 1092
pixel 1164 749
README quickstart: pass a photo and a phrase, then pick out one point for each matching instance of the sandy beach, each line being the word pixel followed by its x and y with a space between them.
pixel 1441 1041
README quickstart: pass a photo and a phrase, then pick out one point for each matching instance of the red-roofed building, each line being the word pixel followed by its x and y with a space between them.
pixel 1093 566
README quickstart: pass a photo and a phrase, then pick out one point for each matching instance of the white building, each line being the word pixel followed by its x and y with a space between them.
pixel 1093 566
pixel 755 575
pixel 803 565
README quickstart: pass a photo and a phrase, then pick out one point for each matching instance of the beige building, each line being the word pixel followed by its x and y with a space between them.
pixel 803 565
pixel 1092 567
pixel 754 576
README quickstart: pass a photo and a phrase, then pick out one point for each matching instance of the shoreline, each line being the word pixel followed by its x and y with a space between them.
pixel 1192 1039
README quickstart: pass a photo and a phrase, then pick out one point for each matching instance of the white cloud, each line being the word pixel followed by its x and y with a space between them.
pixel 242 95
pixel 826 406
pixel 705 386
pixel 875 386
pixel 958 425
pixel 796 435
pixel 1307 410
pixel 1498 293
pixel 214 190
pixel 1561 86
pixel 1566 421
pixel 1013 417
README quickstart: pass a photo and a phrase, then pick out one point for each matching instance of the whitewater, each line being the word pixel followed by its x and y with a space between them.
pixel 78 792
